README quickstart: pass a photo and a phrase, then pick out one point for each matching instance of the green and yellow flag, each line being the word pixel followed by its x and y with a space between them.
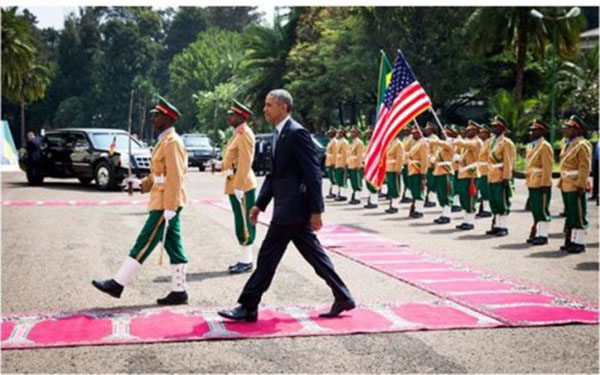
pixel 385 75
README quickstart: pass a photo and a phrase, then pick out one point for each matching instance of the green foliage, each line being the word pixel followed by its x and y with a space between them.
pixel 504 104
pixel 71 112
pixel 213 105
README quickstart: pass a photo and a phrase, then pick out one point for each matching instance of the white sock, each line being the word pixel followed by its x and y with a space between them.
pixel 579 236
pixel 419 206
pixel 455 200
pixel 446 211
pixel 246 254
pixel 468 218
pixel 178 277
pixel 542 229
pixel 127 271
pixel 486 206
pixel 374 199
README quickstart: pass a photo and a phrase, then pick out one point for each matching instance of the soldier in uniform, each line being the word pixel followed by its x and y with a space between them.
pixel 429 133
pixel 539 182
pixel 417 168
pixel 240 183
pixel 407 141
pixel 393 169
pixel 330 161
pixel 482 181
pixel 373 200
pixel 501 160
pixel 341 157
pixel 168 167
pixel 443 174
pixel 455 200
pixel 468 172
pixel 575 158
pixel 355 164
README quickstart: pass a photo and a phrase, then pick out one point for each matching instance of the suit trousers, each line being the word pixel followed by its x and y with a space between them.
pixel 271 251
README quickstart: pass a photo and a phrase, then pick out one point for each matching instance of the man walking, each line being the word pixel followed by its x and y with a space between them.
pixel 295 186
pixel 240 183
pixel 167 197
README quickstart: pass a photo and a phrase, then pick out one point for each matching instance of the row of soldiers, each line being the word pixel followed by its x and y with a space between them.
pixel 473 167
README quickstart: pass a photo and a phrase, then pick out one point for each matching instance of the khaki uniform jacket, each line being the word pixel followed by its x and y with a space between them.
pixel 418 158
pixel 468 164
pixel 169 163
pixel 483 157
pixel 432 148
pixel 501 159
pixel 237 163
pixel 395 156
pixel 539 165
pixel 356 154
pixel 575 162
pixel 444 157
pixel 407 142
pixel 330 152
pixel 341 154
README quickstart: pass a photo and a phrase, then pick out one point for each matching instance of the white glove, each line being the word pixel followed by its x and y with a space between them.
pixel 168 215
pixel 135 182
pixel 432 159
pixel 239 193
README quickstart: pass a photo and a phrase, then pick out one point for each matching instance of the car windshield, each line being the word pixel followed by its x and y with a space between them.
pixel 102 141
pixel 197 142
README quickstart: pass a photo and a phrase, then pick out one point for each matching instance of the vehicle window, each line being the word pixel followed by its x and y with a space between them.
pixel 102 141
pixel 80 141
pixel 197 142
pixel 54 140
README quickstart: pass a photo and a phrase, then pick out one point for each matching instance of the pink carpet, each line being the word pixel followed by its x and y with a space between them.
pixel 110 327
pixel 79 202
pixel 514 303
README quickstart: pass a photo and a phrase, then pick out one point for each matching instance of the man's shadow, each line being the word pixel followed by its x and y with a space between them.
pixel 194 277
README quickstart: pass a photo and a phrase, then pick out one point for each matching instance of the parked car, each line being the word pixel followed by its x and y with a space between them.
pixel 263 153
pixel 201 150
pixel 86 154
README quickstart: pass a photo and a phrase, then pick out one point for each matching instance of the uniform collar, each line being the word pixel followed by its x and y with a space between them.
pixel 164 133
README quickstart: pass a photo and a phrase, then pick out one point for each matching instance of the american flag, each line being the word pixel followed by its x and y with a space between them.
pixel 404 100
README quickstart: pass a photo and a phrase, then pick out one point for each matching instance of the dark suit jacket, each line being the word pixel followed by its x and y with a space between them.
pixel 34 150
pixel 295 179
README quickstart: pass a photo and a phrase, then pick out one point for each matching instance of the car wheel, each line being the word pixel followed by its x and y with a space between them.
pixel 202 168
pixel 104 176
pixel 85 181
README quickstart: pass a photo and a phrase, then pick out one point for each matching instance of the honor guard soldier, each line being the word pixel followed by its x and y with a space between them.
pixel 407 141
pixel 429 133
pixel 501 160
pixel 393 169
pixel 482 182
pixel 355 164
pixel 539 182
pixel 330 161
pixel 575 158
pixel 341 158
pixel 443 174
pixel 168 167
pixel 468 172
pixel 373 200
pixel 240 183
pixel 455 200
pixel 417 168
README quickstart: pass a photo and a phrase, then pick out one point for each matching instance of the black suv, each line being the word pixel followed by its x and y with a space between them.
pixel 86 154
pixel 200 150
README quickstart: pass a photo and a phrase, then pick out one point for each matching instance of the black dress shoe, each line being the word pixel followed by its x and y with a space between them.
pixel 406 200
pixel 391 210
pixel 109 286
pixel 575 248
pixel 341 199
pixel 539 241
pixel 456 209
pixel 416 215
pixel 382 195
pixel 483 214
pixel 233 266
pixel 492 231
pixel 465 226
pixel 354 201
pixel 370 205
pixel 330 196
pixel 174 298
pixel 240 313
pixel 338 307
pixel 442 220
pixel 565 246
pixel 501 232
pixel 241 268
pixel 429 204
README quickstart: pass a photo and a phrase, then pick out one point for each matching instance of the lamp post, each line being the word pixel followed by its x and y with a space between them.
pixel 574 12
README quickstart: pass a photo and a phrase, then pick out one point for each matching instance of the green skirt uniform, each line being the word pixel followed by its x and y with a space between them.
pixel 415 185
pixel 355 179
pixel 341 178
pixel 467 201
pixel 484 188
pixel 392 180
pixel 430 180
pixel 576 210
pixel 331 174
pixel 244 231
pixel 539 202
pixel 444 189
pixel 500 198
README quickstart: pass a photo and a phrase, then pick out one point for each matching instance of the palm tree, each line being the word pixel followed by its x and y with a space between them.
pixel 495 29
pixel 18 52
pixel 33 87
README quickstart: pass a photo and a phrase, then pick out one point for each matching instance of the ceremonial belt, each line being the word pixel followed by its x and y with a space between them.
pixel 483 163
pixel 415 162
pixel 497 165
pixel 466 168
pixel 159 180
pixel 569 173
pixel 442 163
pixel 537 170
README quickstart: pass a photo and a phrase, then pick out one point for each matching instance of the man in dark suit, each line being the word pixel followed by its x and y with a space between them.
pixel 34 155
pixel 295 185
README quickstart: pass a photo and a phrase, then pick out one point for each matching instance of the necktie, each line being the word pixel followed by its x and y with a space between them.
pixel 275 137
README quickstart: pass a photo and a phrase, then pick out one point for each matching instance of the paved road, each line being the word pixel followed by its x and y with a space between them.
pixel 50 255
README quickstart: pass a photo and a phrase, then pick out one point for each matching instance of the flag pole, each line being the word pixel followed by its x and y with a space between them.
pixel 130 183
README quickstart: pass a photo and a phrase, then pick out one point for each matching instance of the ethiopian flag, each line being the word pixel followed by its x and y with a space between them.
pixel 385 75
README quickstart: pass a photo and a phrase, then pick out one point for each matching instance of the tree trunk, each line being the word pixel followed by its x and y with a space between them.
pixel 521 54
pixel 22 123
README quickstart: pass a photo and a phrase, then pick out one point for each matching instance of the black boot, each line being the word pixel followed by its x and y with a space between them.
pixel 354 200
pixel 536 241
pixel 109 286
pixel 391 210
pixel 330 195
pixel 568 242
pixel 174 298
